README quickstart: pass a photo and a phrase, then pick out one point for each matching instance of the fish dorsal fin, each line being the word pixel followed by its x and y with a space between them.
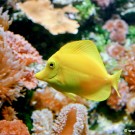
pixel 82 46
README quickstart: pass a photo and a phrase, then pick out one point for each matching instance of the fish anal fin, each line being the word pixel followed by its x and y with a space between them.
pixel 101 94
pixel 71 95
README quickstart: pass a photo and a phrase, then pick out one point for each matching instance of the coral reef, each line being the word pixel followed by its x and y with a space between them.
pixel 29 106
pixel 15 127
pixel 14 62
pixel 72 119
pixel 118 102
pixel 42 122
pixel 52 99
pixel 11 71
pixel 130 105
pixel 118 29
pixel 44 14
pixel 115 50
pixel 4 19
pixel 9 113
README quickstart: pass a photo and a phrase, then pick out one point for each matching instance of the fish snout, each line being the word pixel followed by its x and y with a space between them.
pixel 40 75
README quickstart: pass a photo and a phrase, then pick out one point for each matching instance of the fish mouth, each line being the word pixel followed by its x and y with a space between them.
pixel 44 77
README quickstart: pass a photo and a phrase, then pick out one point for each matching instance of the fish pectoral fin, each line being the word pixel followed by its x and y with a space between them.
pixel 71 95
pixel 100 95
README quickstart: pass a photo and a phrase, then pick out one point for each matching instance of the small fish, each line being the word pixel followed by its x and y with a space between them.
pixel 77 69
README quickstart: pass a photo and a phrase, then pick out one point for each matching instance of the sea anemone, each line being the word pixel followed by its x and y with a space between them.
pixel 72 120
pixel 9 113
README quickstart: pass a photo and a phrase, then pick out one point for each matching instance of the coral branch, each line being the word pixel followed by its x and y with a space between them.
pixel 53 19
pixel 4 19
pixel 15 127
pixel 42 122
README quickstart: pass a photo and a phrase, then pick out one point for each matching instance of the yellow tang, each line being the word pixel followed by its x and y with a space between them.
pixel 77 69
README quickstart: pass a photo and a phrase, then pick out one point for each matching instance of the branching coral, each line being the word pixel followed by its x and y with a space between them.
pixel 22 49
pixel 4 19
pixel 72 120
pixel 42 122
pixel 53 19
pixel 15 56
pixel 11 70
pixel 118 29
pixel 15 127
pixel 14 61
pixel 25 53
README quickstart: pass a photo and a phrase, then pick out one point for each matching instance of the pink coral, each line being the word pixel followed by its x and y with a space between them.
pixel 25 53
pixel 29 81
pixel 116 50
pixel 15 56
pixel 22 49
pixel 15 127
pixel 118 29
pixel 11 71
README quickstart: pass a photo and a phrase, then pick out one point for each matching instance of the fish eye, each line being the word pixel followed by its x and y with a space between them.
pixel 52 65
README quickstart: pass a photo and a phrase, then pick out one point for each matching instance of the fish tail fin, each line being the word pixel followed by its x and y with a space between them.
pixel 115 81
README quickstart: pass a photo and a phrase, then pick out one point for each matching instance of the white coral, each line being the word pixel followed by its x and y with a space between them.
pixel 42 122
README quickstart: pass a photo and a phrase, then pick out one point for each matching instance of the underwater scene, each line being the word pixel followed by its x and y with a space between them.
pixel 67 67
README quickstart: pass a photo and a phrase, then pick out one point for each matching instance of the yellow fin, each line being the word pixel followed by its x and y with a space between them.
pixel 82 47
pixel 71 95
pixel 101 94
pixel 115 80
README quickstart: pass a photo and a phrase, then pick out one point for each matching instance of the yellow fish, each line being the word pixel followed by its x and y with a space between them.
pixel 77 69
